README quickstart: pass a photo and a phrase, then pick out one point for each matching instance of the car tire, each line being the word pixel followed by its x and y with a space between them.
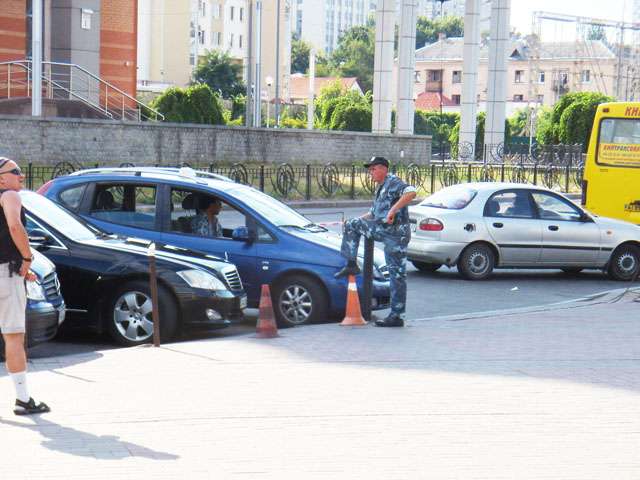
pixel 476 261
pixel 299 300
pixel 624 263
pixel 572 270
pixel 426 267
pixel 132 303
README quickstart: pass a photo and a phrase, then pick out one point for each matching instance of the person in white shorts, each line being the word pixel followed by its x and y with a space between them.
pixel 15 261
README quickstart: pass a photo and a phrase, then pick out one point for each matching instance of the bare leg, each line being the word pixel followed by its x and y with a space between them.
pixel 15 354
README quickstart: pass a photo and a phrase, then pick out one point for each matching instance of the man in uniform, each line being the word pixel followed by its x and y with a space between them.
pixel 387 221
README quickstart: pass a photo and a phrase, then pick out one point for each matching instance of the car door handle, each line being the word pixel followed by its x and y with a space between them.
pixel 553 228
pixel 498 225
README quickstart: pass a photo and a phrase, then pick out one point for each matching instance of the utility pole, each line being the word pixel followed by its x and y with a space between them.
pixel 277 94
pixel 249 95
pixel 312 88
pixel 36 58
pixel 257 115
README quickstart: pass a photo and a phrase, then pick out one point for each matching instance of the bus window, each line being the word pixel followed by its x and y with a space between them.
pixel 619 142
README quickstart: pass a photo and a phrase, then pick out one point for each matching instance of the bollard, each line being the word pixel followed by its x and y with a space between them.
pixel 367 279
pixel 153 285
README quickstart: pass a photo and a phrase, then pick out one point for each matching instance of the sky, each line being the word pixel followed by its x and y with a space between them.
pixel 521 14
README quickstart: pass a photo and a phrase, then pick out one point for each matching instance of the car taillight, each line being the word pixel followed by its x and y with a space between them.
pixel 43 189
pixel 431 225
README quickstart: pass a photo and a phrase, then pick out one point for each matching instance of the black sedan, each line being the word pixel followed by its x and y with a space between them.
pixel 105 279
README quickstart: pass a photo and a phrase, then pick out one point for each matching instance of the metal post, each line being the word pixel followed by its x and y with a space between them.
pixel 30 176
pixel 308 191
pixel 257 90
pixel 36 58
pixel 353 182
pixel 469 173
pixel 566 179
pixel 312 89
pixel 433 177
pixel 9 81
pixel 535 173
pixel 367 280
pixel 248 78
pixel 153 285
pixel 277 93
pixel 262 178
pixel 502 172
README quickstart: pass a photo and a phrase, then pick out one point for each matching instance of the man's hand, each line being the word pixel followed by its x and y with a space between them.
pixel 390 216
pixel 30 276
pixel 24 269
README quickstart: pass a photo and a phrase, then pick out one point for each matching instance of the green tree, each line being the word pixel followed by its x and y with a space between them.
pixel 577 119
pixel 427 30
pixel 222 73
pixel 339 109
pixel 354 117
pixel 544 126
pixel 439 126
pixel 354 55
pixel 596 32
pixel 194 104
pixel 299 56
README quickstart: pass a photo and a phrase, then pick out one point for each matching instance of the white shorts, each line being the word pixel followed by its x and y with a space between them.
pixel 13 301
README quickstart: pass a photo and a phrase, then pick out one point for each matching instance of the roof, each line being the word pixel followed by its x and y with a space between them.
pixel 299 84
pixel 431 101
pixel 452 49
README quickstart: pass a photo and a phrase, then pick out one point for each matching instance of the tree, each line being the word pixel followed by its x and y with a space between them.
pixel 339 109
pixel 577 119
pixel 194 104
pixel 596 32
pixel 354 54
pixel 221 73
pixel 300 56
pixel 439 126
pixel 355 117
pixel 427 30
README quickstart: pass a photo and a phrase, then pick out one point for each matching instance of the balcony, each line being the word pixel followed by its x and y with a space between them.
pixel 433 86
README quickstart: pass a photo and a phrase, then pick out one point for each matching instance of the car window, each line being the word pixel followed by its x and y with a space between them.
pixel 71 197
pixel 551 207
pixel 453 198
pixel 125 204
pixel 205 215
pixel 513 204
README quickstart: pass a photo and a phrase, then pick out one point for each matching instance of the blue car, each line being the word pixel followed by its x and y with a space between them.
pixel 269 242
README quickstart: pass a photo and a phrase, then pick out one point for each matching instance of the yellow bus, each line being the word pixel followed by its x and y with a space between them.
pixel 611 184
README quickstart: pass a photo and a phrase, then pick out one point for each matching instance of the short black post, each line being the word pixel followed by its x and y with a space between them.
pixel 353 182
pixel 433 177
pixel 30 176
pixel 262 178
pixel 535 173
pixel 153 286
pixel 502 172
pixel 367 280
pixel 308 190
pixel 566 178
pixel 469 173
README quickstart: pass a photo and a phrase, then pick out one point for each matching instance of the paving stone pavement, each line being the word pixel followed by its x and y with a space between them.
pixel 551 394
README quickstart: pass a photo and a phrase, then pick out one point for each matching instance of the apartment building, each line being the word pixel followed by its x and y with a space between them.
pixel 537 72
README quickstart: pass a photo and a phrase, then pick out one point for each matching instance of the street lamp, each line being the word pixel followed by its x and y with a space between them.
pixel 269 81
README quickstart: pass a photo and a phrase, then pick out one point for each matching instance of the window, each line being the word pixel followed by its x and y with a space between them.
pixel 540 99
pixel 551 207
pixel 434 75
pixel 518 98
pixel 513 204
pixel 231 40
pixel 417 76
pixel 563 76
pixel 216 11
pixel 456 99
pixel 519 76
pixel 456 76
pixel 203 8
pixel 125 204
pixel 85 18
pixel 192 59
pixel 201 37
pixel 454 198
pixel 231 12
pixel 71 197
pixel 239 41
pixel 540 77
pixel 241 14
pixel 216 38
pixel 585 77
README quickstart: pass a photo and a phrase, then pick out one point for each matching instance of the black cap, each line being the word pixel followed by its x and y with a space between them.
pixel 377 161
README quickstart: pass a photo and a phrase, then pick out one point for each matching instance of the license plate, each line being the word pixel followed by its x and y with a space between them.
pixel 62 312
pixel 243 302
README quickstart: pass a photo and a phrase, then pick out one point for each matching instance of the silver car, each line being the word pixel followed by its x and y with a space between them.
pixel 482 226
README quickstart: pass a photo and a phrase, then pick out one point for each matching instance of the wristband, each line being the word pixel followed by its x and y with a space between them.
pixel 27 259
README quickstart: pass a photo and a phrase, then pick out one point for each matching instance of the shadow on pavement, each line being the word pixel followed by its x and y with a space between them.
pixel 84 444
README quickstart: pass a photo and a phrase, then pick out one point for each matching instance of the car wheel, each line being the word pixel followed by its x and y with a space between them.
pixel 426 267
pixel 624 263
pixel 476 262
pixel 129 315
pixel 299 300
pixel 572 270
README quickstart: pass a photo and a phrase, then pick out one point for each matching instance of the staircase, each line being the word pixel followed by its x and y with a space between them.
pixel 67 87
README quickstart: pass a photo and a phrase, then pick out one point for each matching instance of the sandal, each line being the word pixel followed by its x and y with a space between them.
pixel 30 407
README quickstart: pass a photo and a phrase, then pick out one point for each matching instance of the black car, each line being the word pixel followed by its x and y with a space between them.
pixel 45 306
pixel 105 278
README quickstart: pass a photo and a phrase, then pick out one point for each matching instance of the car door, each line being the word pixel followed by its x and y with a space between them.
pixel 180 228
pixel 510 220
pixel 568 236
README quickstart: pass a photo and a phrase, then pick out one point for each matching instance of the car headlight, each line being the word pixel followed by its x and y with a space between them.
pixel 35 291
pixel 201 279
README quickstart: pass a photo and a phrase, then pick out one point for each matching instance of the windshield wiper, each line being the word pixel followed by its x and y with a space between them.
pixel 315 225
pixel 299 227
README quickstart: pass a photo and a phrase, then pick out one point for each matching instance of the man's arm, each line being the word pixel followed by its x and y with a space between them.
pixel 11 205
pixel 403 201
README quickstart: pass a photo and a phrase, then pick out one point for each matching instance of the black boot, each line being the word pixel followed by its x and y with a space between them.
pixel 393 320
pixel 351 268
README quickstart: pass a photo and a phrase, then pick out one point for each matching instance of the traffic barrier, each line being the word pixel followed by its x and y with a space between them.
pixel 266 327
pixel 353 315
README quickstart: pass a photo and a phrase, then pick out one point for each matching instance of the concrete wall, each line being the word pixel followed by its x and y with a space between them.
pixel 45 141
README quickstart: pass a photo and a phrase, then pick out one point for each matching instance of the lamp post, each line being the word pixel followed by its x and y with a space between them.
pixel 268 81
pixel 441 40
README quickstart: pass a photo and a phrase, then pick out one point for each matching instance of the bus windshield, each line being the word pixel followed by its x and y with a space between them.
pixel 619 142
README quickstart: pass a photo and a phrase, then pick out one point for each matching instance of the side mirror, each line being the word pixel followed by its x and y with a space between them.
pixel 242 234
pixel 39 237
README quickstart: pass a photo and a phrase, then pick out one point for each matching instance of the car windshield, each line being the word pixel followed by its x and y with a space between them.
pixel 275 211
pixel 452 198
pixel 57 217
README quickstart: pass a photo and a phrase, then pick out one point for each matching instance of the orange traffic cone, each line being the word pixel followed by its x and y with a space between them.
pixel 353 315
pixel 266 327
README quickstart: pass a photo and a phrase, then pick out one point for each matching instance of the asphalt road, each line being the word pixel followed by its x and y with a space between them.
pixel 429 295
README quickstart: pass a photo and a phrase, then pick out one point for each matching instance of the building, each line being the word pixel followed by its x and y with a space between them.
pixel 97 36
pixel 299 86
pixel 174 35
pixel 537 72
pixel 321 22
pixel 433 9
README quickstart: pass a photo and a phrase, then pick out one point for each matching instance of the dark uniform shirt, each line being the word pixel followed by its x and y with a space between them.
pixel 387 195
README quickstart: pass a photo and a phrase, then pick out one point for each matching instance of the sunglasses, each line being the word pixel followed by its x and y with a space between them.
pixel 14 171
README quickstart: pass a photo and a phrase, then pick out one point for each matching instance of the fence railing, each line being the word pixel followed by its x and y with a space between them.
pixel 307 182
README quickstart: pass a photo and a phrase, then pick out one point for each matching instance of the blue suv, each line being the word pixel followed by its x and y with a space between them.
pixel 269 242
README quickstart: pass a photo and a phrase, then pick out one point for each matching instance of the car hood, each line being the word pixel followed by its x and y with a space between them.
pixel 606 222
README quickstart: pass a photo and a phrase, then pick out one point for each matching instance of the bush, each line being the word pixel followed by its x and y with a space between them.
pixel 289 122
pixel 195 104
pixel 354 117
pixel 338 109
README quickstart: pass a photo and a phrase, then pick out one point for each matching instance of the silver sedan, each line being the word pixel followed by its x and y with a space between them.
pixel 481 226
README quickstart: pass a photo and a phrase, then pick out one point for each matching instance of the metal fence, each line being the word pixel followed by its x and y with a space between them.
pixel 559 168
